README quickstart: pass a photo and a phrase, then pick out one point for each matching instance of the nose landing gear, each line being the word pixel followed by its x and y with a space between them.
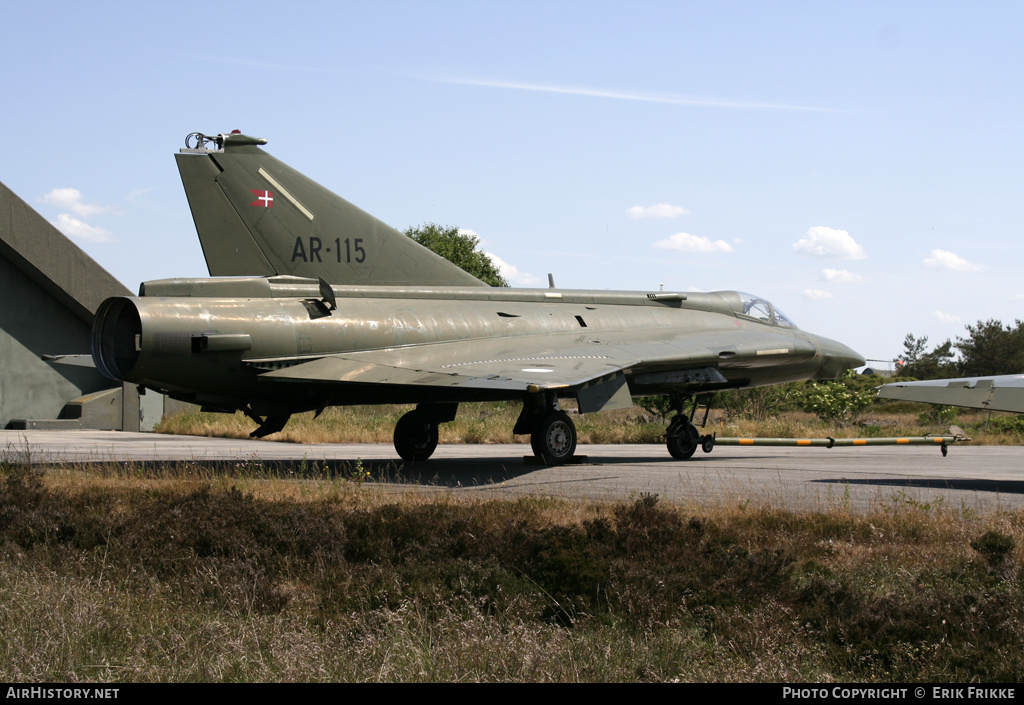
pixel 682 437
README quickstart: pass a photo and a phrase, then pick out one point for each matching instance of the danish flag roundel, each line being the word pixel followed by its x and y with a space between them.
pixel 264 199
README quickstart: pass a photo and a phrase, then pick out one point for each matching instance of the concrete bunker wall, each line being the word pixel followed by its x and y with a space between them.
pixel 49 291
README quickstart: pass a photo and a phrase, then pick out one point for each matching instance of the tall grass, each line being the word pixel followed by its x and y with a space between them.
pixel 123 577
pixel 475 423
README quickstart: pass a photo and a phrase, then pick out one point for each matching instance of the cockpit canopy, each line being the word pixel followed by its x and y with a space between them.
pixel 755 307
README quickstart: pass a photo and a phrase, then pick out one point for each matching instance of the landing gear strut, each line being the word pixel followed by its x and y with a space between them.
pixel 416 432
pixel 268 424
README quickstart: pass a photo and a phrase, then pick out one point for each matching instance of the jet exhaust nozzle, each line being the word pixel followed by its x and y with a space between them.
pixel 116 337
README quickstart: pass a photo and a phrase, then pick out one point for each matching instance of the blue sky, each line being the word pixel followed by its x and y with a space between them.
pixel 857 163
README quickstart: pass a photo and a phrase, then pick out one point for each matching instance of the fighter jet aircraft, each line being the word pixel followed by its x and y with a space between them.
pixel 316 303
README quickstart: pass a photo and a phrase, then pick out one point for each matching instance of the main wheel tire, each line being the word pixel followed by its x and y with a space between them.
pixel 415 437
pixel 682 438
pixel 554 438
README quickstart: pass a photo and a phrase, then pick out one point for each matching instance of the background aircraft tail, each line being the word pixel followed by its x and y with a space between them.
pixel 256 216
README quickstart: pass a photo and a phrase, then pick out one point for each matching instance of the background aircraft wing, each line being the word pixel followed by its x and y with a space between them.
pixel 997 393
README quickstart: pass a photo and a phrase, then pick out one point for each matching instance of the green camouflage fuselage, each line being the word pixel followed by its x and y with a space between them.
pixel 274 344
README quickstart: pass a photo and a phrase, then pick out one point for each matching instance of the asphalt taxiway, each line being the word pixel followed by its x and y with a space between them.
pixel 970 478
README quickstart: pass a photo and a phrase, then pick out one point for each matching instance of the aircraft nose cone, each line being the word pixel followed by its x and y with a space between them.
pixel 836 359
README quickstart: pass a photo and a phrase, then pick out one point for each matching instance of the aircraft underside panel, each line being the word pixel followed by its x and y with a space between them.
pixel 598 372
pixel 518 373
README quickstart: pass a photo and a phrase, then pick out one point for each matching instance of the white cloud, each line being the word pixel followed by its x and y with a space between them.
pixel 660 210
pixel 72 199
pixel 692 243
pixel 511 274
pixel 950 260
pixel 816 294
pixel 840 275
pixel 946 317
pixel 829 242
pixel 73 227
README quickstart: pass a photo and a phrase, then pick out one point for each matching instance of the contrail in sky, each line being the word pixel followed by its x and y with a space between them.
pixel 673 99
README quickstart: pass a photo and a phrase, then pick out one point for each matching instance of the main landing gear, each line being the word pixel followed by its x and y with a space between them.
pixel 552 432
pixel 416 432
pixel 415 437
pixel 553 437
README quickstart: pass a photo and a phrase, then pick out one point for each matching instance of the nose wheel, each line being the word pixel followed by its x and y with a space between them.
pixel 682 437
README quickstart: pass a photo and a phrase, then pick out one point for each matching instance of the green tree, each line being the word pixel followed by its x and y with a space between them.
pixel 459 249
pixel 913 349
pixel 915 362
pixel 991 348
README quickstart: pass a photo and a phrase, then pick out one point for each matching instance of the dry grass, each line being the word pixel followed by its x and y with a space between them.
pixel 492 423
pixel 117 576
pixel 475 423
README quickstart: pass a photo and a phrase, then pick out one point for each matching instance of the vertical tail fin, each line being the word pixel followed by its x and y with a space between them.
pixel 257 216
